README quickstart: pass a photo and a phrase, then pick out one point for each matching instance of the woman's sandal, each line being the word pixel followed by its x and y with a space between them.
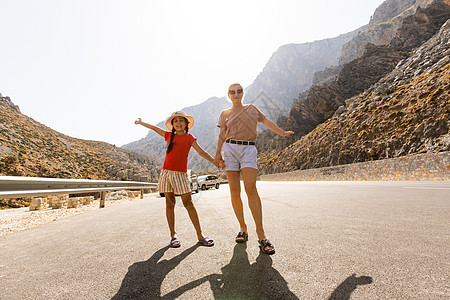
pixel 175 243
pixel 242 237
pixel 264 244
pixel 207 242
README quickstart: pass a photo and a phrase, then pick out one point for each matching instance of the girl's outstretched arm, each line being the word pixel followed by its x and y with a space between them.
pixel 158 130
pixel 203 153
pixel 272 126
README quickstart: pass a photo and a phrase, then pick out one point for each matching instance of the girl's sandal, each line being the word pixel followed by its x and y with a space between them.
pixel 175 243
pixel 242 237
pixel 266 247
pixel 206 242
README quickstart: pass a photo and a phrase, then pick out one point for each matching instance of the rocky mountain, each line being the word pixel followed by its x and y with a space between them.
pixel 383 26
pixel 404 113
pixel 321 101
pixel 8 102
pixel 28 148
pixel 290 70
pixel 379 91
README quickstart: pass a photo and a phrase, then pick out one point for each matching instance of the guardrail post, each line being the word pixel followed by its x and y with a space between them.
pixel 102 199
pixel 142 194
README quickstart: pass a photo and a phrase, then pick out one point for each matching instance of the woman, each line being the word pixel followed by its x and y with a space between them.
pixel 236 148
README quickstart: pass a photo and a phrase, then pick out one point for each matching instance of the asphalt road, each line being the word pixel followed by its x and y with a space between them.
pixel 334 240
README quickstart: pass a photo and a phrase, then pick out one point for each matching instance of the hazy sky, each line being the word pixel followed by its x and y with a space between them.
pixel 89 68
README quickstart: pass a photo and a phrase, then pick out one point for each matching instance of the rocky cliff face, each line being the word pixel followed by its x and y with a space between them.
pixel 406 112
pixel 321 101
pixel 417 28
pixel 290 71
pixel 8 102
pixel 368 54
pixel 383 26
pixel 28 148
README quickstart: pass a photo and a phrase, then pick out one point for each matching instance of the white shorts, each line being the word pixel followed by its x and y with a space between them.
pixel 237 157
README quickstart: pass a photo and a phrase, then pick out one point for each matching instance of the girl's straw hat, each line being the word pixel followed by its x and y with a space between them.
pixel 179 114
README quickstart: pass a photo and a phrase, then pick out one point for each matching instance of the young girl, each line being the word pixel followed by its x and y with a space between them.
pixel 174 178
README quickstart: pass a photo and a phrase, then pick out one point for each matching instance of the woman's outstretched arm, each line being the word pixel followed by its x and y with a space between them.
pixel 272 126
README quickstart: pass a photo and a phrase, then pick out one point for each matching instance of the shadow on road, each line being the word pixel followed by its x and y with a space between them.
pixel 239 279
pixel 346 288
pixel 242 280
pixel 144 279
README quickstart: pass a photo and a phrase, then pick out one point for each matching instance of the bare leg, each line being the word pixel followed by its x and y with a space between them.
pixel 170 213
pixel 254 201
pixel 234 182
pixel 187 202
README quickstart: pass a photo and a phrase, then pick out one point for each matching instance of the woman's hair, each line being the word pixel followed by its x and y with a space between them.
pixel 170 146
pixel 234 85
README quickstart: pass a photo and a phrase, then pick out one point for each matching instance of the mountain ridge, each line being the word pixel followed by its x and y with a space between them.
pixel 269 93
pixel 322 100
pixel 382 27
pixel 405 113
pixel 287 80
pixel 29 148
pixel 333 112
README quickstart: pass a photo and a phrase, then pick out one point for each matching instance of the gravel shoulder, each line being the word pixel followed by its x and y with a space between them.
pixel 17 219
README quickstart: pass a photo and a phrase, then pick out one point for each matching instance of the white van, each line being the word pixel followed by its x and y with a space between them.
pixel 208 181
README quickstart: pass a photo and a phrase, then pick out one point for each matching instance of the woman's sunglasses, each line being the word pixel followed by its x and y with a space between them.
pixel 232 92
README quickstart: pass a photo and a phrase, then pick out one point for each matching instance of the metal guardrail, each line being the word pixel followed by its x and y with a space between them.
pixel 19 187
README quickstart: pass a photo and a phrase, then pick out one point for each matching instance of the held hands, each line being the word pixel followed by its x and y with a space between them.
pixel 219 162
pixel 216 164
